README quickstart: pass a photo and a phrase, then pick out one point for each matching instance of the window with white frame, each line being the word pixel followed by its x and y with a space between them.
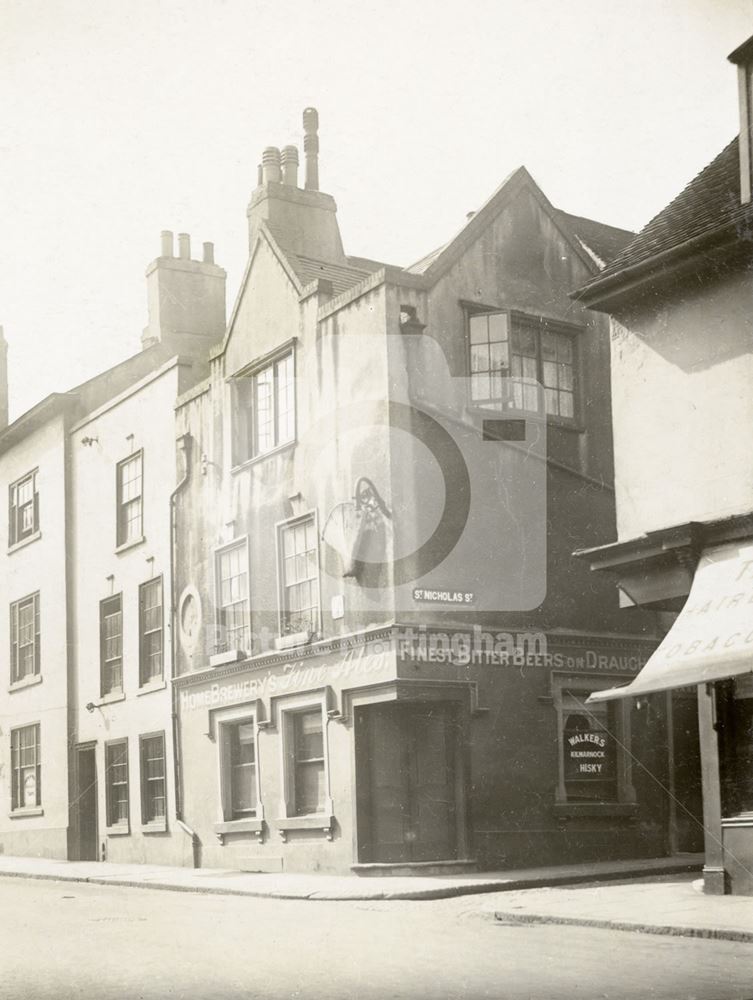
pixel 25 659
pixel 527 349
pixel 594 745
pixel 111 644
pixel 150 631
pixel 130 499
pixel 309 785
pixel 26 768
pixel 232 597
pixel 153 779
pixel 23 508
pixel 116 783
pixel 299 576
pixel 264 408
pixel 238 768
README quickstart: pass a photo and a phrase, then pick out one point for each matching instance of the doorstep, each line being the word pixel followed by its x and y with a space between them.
pixel 382 869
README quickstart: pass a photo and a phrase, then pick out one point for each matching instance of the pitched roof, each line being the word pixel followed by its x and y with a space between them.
pixel 710 202
pixel 602 241
pixel 599 241
pixel 342 276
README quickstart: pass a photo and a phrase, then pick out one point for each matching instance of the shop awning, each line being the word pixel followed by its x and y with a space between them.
pixel 712 637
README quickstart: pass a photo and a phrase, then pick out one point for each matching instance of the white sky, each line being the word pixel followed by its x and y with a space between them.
pixel 120 119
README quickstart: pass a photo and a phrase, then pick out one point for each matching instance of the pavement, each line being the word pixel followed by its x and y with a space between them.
pixel 290 885
pixel 674 905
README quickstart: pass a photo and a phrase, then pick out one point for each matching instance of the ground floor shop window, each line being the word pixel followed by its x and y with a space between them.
pixel 308 755
pixel 238 769
pixel 26 768
pixel 116 783
pixel 153 785
pixel 593 745
pixel 735 726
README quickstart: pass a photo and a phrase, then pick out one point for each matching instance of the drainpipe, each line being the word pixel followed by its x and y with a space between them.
pixel 185 445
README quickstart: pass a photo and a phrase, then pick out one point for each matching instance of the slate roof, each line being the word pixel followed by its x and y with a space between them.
pixel 601 240
pixel 342 276
pixel 710 202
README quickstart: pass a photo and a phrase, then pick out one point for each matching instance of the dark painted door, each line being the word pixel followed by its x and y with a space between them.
pixel 87 804
pixel 687 777
pixel 407 769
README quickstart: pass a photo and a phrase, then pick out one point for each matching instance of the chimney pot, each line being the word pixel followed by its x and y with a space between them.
pixel 311 147
pixel 290 166
pixel 259 175
pixel 209 253
pixel 184 246
pixel 270 160
pixel 166 239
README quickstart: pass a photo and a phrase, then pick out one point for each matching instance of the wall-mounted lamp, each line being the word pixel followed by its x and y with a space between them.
pixel 87 442
pixel 90 706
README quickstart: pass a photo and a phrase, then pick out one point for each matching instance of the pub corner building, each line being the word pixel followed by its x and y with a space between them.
pixel 312 567
pixel 680 300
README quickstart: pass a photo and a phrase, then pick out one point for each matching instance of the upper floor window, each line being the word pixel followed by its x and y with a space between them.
pixel 24 638
pixel 299 572
pixel 232 596
pixel 111 644
pixel 23 509
pixel 130 500
pixel 526 349
pixel 265 408
pixel 150 631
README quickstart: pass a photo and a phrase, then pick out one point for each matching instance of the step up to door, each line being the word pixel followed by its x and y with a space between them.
pixel 425 868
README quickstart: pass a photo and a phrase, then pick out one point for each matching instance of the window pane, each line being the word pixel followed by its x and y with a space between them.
pixel 480 358
pixel 499 358
pixel 567 405
pixel 549 369
pixel 479 326
pixel 497 327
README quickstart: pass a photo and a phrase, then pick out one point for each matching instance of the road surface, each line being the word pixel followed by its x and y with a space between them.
pixel 61 940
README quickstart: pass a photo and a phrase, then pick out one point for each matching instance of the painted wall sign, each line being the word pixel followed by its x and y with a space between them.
pixel 424 596
pixel 514 649
pixel 589 750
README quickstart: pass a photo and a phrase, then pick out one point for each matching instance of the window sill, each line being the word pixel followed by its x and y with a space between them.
pixel 312 821
pixel 118 831
pixel 293 639
pixel 159 826
pixel 25 683
pixel 585 809
pixel 151 686
pixel 24 542
pixel 129 545
pixel 24 813
pixel 228 656
pixel 742 819
pixel 248 462
pixel 110 699
pixel 250 825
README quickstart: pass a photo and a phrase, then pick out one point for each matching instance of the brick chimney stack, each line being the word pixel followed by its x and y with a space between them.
pixel 742 57
pixel 302 220
pixel 3 381
pixel 186 298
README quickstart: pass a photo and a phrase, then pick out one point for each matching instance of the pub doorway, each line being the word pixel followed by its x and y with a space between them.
pixel 409 780
pixel 86 802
